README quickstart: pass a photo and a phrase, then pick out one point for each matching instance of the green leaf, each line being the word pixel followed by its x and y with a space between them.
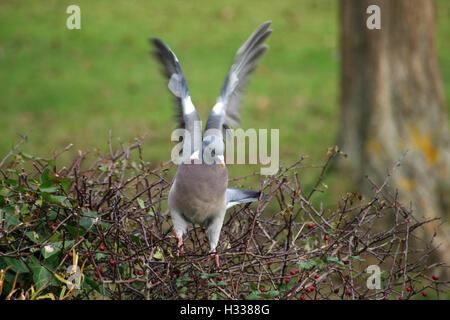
pixel 52 215
pixel 33 236
pixel 4 192
pixel 66 183
pixel 11 182
pixel 209 275
pixel 45 178
pixel 158 254
pixel 135 239
pixel 253 296
pixel 49 250
pixel 11 217
pixel 183 290
pixel 92 283
pixel 307 265
pixel 356 258
pixel 30 157
pixel 185 279
pixel 328 259
pixel 88 217
pixel 17 265
pixel 56 246
pixel 49 189
pixel 287 286
pixel 59 200
pixel 270 294
pixel 25 209
pixel 254 286
pixel 141 203
pixel 72 230
pixel 41 276
pixel 99 256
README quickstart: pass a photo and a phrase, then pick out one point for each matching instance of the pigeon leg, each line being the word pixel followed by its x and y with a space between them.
pixel 216 256
pixel 180 246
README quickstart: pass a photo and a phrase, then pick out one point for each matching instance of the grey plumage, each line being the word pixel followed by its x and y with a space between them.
pixel 244 63
pixel 199 192
pixel 178 87
pixel 237 196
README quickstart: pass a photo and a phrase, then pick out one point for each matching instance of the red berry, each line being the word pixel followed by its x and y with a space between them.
pixel 308 290
pixel 346 262
pixel 244 297
pixel 435 277
pixel 409 289
pixel 95 278
pixel 199 285
pixel 302 298
pixel 348 292
pixel 219 278
pixel 346 276
pixel 102 248
pixel 192 279
pixel 326 238
pixel 316 276
pixel 294 272
pixel 287 280
pixel 424 293
pixel 310 225
pixel 112 262
pixel 153 281
pixel 172 274
pixel 70 254
pixel 100 268
pixel 96 273
pixel 262 289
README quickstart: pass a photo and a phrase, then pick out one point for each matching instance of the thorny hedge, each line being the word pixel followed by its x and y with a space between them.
pixel 105 228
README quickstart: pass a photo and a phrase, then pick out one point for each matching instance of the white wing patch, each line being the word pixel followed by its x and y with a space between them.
pixel 188 105
pixel 218 108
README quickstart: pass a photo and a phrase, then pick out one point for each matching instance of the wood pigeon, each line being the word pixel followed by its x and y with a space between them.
pixel 199 193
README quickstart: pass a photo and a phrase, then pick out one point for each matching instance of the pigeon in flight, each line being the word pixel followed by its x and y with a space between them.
pixel 200 193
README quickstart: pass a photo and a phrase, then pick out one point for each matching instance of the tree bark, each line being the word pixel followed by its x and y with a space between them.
pixel 392 99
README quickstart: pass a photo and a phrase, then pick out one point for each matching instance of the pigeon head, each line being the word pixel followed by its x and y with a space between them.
pixel 213 150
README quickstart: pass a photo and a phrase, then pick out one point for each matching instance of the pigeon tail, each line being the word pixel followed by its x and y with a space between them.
pixel 237 196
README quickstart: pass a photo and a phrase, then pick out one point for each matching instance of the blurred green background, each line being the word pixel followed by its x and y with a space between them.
pixel 73 86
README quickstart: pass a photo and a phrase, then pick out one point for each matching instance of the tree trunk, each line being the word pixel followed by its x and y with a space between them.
pixel 393 100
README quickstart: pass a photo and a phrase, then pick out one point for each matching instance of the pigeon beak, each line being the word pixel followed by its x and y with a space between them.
pixel 222 160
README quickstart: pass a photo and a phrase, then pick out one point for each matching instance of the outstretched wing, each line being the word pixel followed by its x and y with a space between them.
pixel 185 110
pixel 226 111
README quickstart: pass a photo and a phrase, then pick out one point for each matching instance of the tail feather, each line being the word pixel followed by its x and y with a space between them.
pixel 237 196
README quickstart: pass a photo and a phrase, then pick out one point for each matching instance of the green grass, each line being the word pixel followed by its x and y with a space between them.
pixel 75 86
